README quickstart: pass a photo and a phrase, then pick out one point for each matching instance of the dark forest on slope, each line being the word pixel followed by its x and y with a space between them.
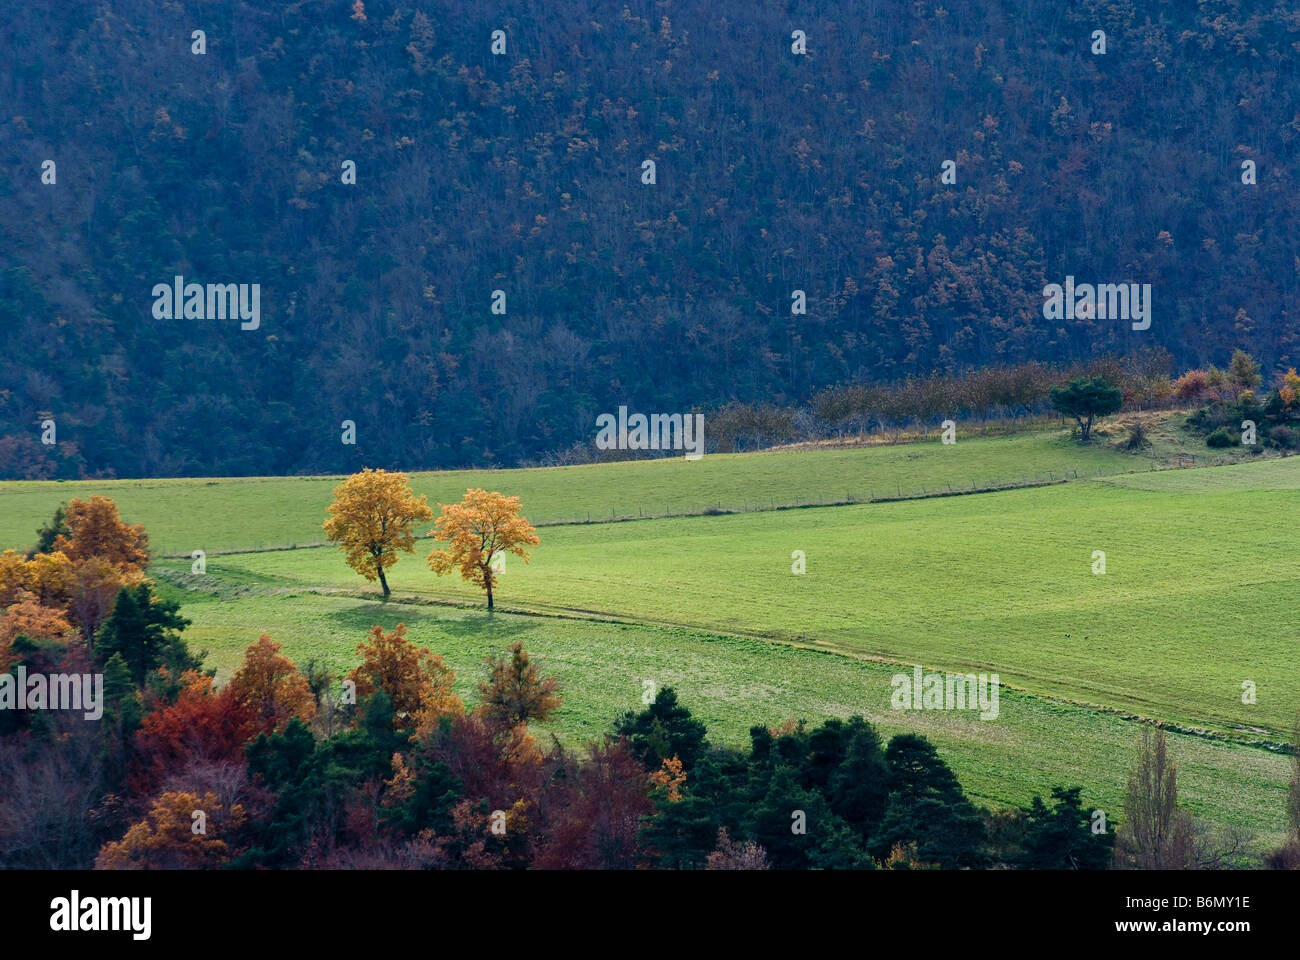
pixel 522 172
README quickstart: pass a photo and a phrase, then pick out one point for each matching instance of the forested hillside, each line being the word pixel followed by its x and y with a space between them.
pixel 522 172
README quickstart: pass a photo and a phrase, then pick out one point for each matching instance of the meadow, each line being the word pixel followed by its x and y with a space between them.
pixel 254 512
pixel 733 683
pixel 1198 596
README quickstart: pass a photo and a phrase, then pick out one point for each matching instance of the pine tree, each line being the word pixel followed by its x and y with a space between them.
pixel 144 629
pixel 858 790
pixel 927 808
pixel 1061 838
pixel 791 823
pixel 46 535
pixel 664 729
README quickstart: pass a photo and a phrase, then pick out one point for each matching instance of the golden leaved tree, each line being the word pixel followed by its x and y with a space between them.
pixel 269 689
pixel 166 840
pixel 28 618
pixel 94 556
pixel 371 519
pixel 481 527
pixel 96 530
pixel 420 686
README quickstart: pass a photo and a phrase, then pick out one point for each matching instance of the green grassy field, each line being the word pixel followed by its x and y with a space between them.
pixel 1281 474
pixel 233 514
pixel 732 683
pixel 1199 596
pixel 1199 593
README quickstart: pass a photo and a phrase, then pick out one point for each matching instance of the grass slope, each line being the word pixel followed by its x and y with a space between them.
pixel 1281 474
pixel 732 683
pixel 227 514
pixel 1199 596
pixel 1199 593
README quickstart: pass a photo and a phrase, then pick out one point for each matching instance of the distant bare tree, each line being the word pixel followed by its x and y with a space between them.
pixel 49 789
pixel 1288 856
pixel 1218 848
pixel 1156 834
pixel 730 855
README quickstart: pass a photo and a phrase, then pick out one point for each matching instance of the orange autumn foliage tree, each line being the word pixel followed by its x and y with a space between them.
pixel 94 586
pixel 401 787
pixel 670 777
pixel 1192 385
pixel 415 679
pixel 89 565
pixel 167 839
pixel 1288 388
pixel 97 556
pixel 30 619
pixel 96 530
pixel 371 519
pixel 45 580
pixel 478 529
pixel 269 690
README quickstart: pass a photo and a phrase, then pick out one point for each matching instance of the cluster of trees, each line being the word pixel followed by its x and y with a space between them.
pixel 1016 390
pixel 521 173
pixel 281 768
pixel 83 561
pixel 373 519
pixel 1082 391
pixel 1232 404
pixel 79 603
pixel 387 767
pixel 835 797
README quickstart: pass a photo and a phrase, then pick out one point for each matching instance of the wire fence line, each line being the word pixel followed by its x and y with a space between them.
pixel 886 493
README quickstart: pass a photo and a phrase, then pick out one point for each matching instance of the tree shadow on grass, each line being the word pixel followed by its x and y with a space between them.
pixel 454 623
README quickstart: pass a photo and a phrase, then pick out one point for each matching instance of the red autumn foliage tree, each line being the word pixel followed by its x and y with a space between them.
pixel 594 818
pixel 501 766
pixel 201 726
pixel 499 770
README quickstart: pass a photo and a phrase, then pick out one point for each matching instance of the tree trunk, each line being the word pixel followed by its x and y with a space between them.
pixel 382 581
pixel 487 583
